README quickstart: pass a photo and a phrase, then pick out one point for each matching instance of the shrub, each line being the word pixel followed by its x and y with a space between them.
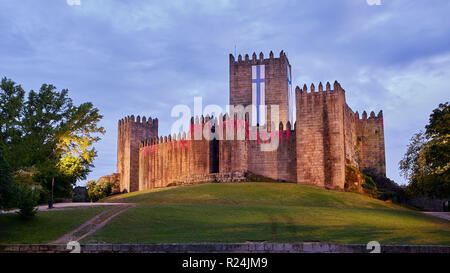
pixel 27 201
pixel 98 190
pixel 357 181
pixel 370 187
pixel 387 188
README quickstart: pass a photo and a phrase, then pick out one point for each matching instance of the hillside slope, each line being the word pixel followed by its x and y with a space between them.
pixel 252 194
pixel 273 212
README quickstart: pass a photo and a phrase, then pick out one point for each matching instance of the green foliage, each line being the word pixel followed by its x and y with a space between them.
pixel 387 188
pixel 369 186
pixel 352 179
pixel 11 106
pixel 8 188
pixel 438 123
pixel 357 181
pixel 27 201
pixel 48 132
pixel 99 190
pixel 426 163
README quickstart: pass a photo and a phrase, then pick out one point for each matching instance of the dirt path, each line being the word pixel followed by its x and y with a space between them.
pixel 92 225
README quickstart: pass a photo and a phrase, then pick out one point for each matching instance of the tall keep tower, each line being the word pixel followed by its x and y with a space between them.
pixel 260 81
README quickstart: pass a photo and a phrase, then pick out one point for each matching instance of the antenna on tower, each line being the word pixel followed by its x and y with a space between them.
pixel 235 50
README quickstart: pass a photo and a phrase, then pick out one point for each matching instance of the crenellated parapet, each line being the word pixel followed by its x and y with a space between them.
pixel 369 118
pixel 129 121
pixel 304 91
pixel 258 59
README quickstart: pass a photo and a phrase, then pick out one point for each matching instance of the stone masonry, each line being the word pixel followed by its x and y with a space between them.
pixel 326 136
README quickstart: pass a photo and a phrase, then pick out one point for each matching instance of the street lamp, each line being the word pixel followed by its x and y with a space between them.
pixel 50 202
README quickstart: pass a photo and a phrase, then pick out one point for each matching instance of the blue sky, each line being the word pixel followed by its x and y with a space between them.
pixel 144 57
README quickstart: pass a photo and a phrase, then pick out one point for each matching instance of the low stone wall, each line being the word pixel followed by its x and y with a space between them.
pixel 314 247
pixel 210 178
pixel 428 204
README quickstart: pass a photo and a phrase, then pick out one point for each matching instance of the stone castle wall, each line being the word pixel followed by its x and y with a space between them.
pixel 187 159
pixel 326 137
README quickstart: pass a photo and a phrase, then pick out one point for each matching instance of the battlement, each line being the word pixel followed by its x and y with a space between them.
pixel 225 124
pixel 144 122
pixel 312 90
pixel 255 60
pixel 371 116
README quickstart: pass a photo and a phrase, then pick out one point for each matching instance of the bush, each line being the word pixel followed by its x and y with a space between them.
pixel 387 188
pixel 25 178
pixel 370 187
pixel 98 190
pixel 27 201
pixel 356 181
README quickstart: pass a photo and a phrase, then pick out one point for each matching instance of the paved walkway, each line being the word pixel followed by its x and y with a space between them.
pixel 443 215
pixel 70 205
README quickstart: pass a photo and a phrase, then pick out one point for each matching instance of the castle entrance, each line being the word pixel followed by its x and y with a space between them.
pixel 214 155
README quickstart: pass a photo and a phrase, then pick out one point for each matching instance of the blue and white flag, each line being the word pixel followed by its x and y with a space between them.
pixel 258 95
pixel 290 97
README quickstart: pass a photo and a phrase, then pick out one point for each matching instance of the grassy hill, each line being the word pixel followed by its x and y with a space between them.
pixel 273 212
pixel 252 194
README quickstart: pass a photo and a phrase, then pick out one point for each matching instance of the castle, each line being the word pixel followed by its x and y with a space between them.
pixel 326 136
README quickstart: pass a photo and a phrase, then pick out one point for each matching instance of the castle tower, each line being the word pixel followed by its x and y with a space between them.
pixel 259 81
pixel 130 134
pixel 320 136
pixel 370 133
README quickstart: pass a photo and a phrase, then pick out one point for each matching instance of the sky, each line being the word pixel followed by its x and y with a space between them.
pixel 144 57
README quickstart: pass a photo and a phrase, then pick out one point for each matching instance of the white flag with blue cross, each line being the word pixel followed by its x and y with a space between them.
pixel 258 95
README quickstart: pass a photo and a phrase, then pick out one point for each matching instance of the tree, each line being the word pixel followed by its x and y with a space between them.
pixel 7 185
pixel 426 163
pixel 437 150
pixel 48 132
pixel 11 107
pixel 412 165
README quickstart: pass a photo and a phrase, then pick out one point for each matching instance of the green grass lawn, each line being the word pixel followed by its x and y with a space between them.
pixel 46 226
pixel 252 194
pixel 273 212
